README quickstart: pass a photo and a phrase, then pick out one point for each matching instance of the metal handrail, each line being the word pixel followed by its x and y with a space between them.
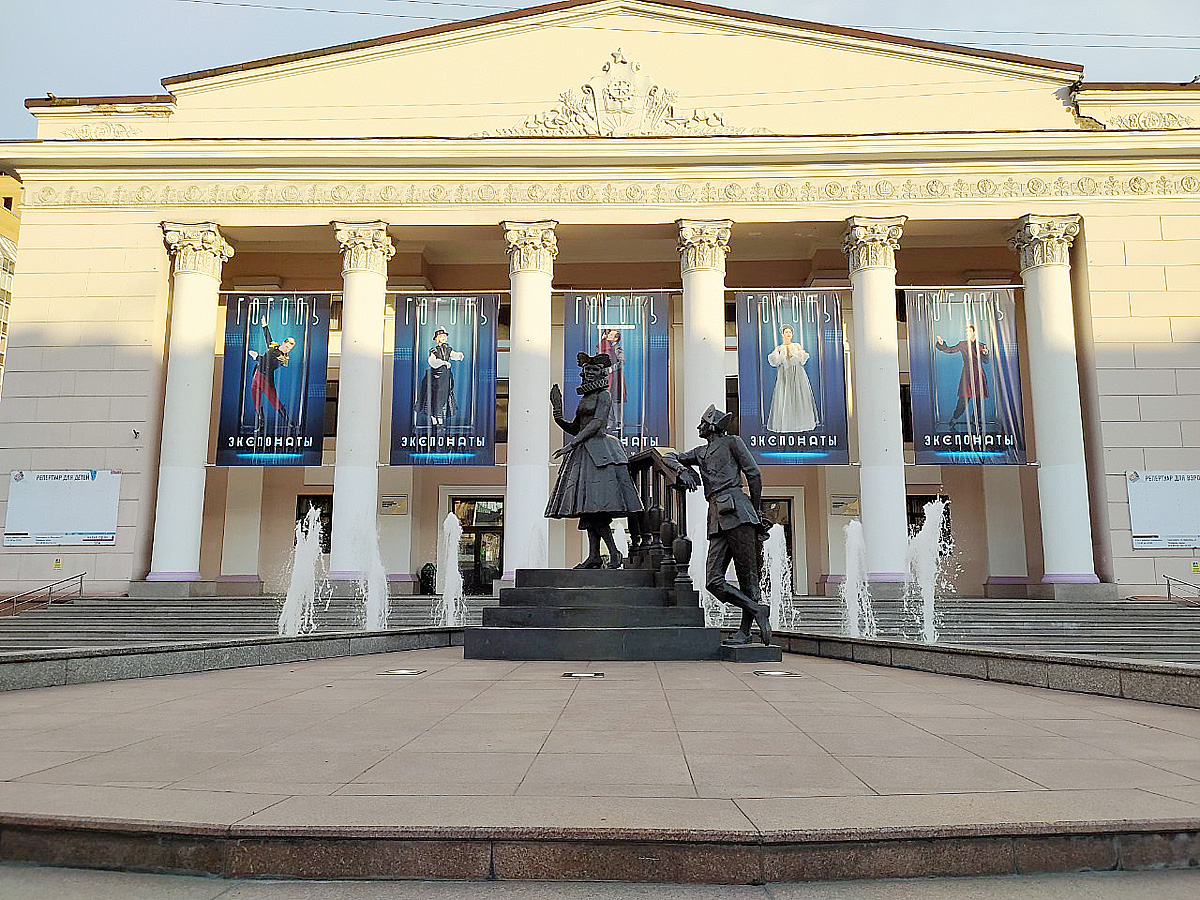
pixel 1194 587
pixel 49 589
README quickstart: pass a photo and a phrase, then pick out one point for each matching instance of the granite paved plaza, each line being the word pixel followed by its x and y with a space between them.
pixel 697 746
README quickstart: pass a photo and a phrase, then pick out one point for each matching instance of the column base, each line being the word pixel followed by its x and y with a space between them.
pixel 162 589
pixel 1074 592
pixel 402 585
pixel 830 585
pixel 1007 587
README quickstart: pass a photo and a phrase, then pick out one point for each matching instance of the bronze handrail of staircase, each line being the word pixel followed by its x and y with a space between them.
pixel 34 600
pixel 1192 598
pixel 658 537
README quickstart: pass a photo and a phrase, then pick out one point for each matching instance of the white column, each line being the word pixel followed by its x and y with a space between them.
pixel 1044 243
pixel 703 246
pixel 198 252
pixel 871 245
pixel 366 250
pixel 532 247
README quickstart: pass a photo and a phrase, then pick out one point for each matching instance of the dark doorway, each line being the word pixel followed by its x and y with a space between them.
pixel 481 550
pixel 779 511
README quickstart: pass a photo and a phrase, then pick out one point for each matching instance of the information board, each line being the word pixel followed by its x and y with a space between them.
pixel 1164 509
pixel 62 509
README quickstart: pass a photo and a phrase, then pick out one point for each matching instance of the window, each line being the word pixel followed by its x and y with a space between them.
pixel 331 408
pixel 504 320
pixel 906 422
pixel 502 411
pixel 8 203
pixel 731 403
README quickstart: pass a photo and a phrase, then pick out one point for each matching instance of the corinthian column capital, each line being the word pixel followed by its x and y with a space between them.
pixel 365 246
pixel 1044 240
pixel 196 248
pixel 871 243
pixel 704 244
pixel 532 246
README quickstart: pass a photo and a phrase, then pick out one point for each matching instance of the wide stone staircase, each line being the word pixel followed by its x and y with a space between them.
pixel 1149 630
pixel 129 621
pixel 1146 630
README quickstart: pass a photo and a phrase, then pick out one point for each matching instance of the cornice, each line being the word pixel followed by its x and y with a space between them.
pixel 684 11
pixel 613 153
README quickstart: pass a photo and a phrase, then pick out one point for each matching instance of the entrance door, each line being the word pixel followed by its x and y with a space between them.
pixel 481 550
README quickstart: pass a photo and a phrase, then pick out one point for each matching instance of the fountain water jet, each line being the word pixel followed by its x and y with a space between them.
pixel 307 578
pixel 372 583
pixel 927 551
pixel 776 580
pixel 858 615
pixel 450 609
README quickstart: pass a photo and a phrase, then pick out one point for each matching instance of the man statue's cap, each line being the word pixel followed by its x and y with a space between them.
pixel 716 418
pixel 441 331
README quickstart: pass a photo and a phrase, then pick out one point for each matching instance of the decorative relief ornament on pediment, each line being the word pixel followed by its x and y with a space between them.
pixel 622 101
pixel 1150 121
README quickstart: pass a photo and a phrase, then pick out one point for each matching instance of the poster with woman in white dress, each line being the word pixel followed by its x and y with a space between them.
pixel 793 407
pixel 791 377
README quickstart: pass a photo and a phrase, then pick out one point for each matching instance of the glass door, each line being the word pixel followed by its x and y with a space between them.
pixel 481 550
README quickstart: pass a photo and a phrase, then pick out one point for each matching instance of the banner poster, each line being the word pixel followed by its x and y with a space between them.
pixel 792 377
pixel 633 328
pixel 273 381
pixel 444 380
pixel 966 376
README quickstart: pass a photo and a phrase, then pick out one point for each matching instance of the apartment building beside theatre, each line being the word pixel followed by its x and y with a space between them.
pixel 913 269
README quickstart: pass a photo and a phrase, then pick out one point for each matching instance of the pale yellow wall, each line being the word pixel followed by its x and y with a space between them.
pixel 83 372
pixel 1144 278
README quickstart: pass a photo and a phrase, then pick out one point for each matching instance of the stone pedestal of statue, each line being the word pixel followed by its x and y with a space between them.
pixel 599 615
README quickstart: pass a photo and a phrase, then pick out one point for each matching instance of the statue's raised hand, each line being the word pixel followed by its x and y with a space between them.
pixel 556 400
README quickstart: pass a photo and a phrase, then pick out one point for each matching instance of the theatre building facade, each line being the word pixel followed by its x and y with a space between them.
pixel 347 279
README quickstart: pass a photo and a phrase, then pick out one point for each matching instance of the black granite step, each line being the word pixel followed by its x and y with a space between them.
pixel 750 653
pixel 593 616
pixel 589 644
pixel 584 596
pixel 584 578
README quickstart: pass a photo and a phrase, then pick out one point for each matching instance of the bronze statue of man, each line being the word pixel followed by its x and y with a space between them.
pixel 736 524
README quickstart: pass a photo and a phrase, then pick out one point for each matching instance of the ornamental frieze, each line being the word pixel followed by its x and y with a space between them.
pixel 627 193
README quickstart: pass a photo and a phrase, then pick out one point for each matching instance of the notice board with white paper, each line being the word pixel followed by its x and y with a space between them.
pixel 64 509
pixel 1164 509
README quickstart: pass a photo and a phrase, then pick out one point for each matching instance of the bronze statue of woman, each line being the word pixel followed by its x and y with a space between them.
pixel 593 483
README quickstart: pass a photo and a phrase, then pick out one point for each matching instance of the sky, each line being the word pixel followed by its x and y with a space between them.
pixel 119 47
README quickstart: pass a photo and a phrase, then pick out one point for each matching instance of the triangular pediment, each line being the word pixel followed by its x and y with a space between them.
pixel 624 68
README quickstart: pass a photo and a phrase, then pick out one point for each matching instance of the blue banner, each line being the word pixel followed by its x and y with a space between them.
pixel 633 328
pixel 966 376
pixel 792 377
pixel 273 380
pixel 444 380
